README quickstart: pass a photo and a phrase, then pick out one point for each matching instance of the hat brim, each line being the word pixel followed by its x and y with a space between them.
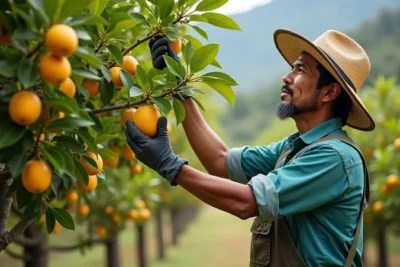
pixel 291 45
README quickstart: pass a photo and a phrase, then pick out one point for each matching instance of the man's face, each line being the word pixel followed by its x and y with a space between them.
pixel 300 93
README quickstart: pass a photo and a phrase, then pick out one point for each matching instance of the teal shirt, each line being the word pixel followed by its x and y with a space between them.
pixel 319 193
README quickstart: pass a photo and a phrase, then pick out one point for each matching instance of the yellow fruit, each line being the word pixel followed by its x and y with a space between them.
pixel 136 168
pixel 140 204
pixel 72 196
pixel 99 162
pixel 385 189
pixel 144 214
pixel 133 214
pixel 127 115
pixel 116 218
pixel 367 152
pixel 92 184
pixel 378 206
pixel 41 137
pixel 130 64
pixel 54 69
pixel 112 162
pixel 146 118
pixel 36 176
pixel 68 87
pixel 62 40
pixel 83 210
pixel 392 181
pixel 57 228
pixel 108 210
pixel 61 115
pixel 101 231
pixel 397 143
pixel 116 77
pixel 93 87
pixel 42 218
pixel 127 153
pixel 25 108
pixel 169 128
pixel 176 45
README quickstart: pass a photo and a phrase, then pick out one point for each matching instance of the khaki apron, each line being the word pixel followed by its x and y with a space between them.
pixel 272 244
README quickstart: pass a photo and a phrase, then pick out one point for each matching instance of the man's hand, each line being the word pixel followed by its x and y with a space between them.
pixel 159 47
pixel 155 152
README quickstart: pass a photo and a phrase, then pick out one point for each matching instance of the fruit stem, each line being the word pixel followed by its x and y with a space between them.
pixel 34 50
pixel 36 149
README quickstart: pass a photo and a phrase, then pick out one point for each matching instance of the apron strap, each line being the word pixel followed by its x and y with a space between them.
pixel 366 193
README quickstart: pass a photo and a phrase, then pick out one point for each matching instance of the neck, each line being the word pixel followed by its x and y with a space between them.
pixel 307 121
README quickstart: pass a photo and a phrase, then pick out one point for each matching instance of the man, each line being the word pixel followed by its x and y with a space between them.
pixel 309 189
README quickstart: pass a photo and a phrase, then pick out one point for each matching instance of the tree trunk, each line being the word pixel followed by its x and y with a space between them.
pixel 382 249
pixel 5 204
pixel 160 235
pixel 141 246
pixel 36 256
pixel 174 213
pixel 112 251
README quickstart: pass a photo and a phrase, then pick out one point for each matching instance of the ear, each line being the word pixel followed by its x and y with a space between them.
pixel 331 92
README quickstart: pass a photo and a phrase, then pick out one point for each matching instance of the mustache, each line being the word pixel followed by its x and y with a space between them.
pixel 288 89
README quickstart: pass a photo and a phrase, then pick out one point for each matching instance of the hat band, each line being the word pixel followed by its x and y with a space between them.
pixel 341 72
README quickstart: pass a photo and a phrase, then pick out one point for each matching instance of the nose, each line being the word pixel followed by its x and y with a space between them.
pixel 288 78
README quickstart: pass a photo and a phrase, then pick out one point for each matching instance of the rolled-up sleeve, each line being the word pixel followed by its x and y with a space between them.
pixel 266 197
pixel 234 165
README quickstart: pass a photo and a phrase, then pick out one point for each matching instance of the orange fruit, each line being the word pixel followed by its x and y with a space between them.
pixel 41 137
pixel 127 153
pixel 112 162
pixel 144 214
pixel 392 181
pixel 25 108
pixel 140 204
pixel 132 214
pixel 36 176
pixel 93 87
pixel 108 210
pixel 101 231
pixel 99 162
pixel 54 69
pixel 116 218
pixel 72 196
pixel 176 45
pixel 42 218
pixel 116 77
pixel 368 152
pixel 61 115
pixel 385 189
pixel 136 168
pixel 130 63
pixel 83 210
pixel 146 118
pixel 92 184
pixel 62 40
pixel 169 128
pixel 57 228
pixel 397 143
pixel 378 206
pixel 68 87
pixel 127 115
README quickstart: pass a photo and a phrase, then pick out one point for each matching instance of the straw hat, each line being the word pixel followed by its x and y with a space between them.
pixel 342 57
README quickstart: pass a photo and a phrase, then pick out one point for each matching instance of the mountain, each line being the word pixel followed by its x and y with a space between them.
pixel 250 56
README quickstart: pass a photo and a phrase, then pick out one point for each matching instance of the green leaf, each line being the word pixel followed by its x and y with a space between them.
pixel 69 143
pixel 208 5
pixel 8 69
pixel 34 208
pixel 51 7
pixel 223 76
pixel 174 67
pixel 199 18
pixel 198 103
pixel 37 6
pixel 116 54
pixel 105 137
pixel 83 35
pixel 222 87
pixel 55 158
pixel 23 195
pixel 59 100
pixel 10 133
pixel 12 189
pixel 166 7
pixel 64 218
pixel 17 163
pixel 203 57
pixel 28 73
pixel 106 92
pixel 89 57
pixel 89 140
pixel 121 20
pixel 86 74
pixel 216 64
pixel 87 19
pixel 200 31
pixel 222 21
pixel 106 153
pixel 69 123
pixel 81 172
pixel 106 73
pixel 141 76
pixel 98 127
pixel 179 110
pixel 135 91
pixel 50 221
pixel 67 160
pixel 163 104
pixel 168 20
pixel 97 6
pixel 72 9
pixel 159 79
pixel 188 52
pixel 137 16
pixel 126 78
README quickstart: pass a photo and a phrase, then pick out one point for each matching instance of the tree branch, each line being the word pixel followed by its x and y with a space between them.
pixel 16 210
pixel 28 242
pixel 4 172
pixel 14 255
pixel 5 203
pixel 37 48
pixel 85 243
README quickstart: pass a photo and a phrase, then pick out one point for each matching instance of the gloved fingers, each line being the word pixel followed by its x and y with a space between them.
pixel 160 62
pixel 132 144
pixel 133 132
pixel 162 50
pixel 162 126
pixel 153 40
pixel 163 41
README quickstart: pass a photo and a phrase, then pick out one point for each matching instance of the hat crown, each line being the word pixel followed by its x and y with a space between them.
pixel 347 54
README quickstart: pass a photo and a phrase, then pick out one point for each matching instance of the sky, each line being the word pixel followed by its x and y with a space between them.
pixel 240 6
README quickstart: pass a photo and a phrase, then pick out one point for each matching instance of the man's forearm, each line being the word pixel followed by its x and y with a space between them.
pixel 207 145
pixel 234 198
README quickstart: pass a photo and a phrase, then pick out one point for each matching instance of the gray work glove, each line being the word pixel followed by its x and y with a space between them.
pixel 159 47
pixel 155 152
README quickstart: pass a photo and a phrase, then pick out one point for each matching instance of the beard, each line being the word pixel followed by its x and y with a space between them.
pixel 290 110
